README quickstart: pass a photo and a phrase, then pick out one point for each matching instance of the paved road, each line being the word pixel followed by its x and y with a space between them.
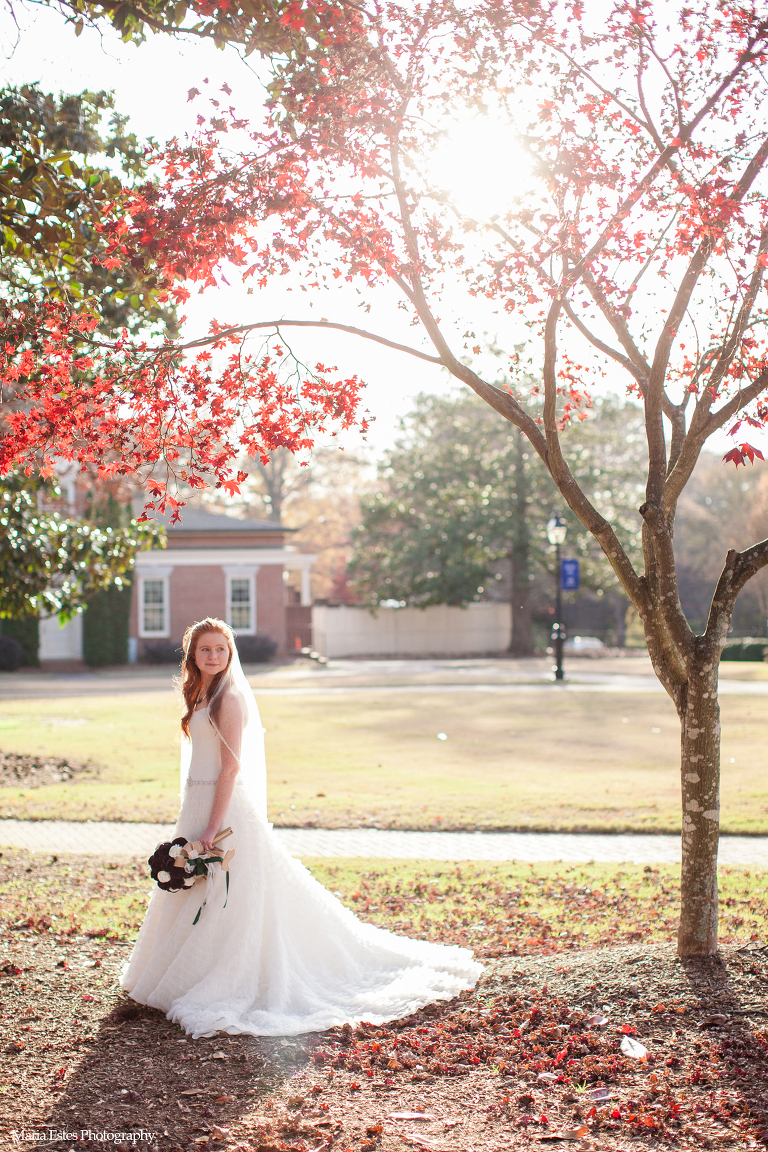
pixel 498 675
pixel 140 839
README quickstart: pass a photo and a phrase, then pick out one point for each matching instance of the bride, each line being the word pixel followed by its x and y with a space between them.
pixel 283 956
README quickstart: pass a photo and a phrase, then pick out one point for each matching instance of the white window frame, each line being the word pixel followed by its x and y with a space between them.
pixel 242 573
pixel 162 575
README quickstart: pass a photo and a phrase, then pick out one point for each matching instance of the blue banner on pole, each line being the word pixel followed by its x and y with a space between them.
pixel 569 575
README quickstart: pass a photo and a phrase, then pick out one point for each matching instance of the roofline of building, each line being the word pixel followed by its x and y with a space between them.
pixel 194 557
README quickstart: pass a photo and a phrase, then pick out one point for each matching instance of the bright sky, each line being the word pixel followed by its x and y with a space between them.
pixel 151 83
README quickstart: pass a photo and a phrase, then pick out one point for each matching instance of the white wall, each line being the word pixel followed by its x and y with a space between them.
pixel 437 631
pixel 61 642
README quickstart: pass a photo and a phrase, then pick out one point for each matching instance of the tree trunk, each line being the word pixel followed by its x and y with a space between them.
pixel 521 643
pixel 700 774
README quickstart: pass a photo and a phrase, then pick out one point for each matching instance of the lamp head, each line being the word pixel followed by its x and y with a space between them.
pixel 556 529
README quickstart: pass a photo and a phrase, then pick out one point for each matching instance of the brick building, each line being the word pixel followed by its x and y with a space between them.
pixel 219 566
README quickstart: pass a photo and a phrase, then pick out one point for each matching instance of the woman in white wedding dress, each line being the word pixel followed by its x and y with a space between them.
pixel 284 956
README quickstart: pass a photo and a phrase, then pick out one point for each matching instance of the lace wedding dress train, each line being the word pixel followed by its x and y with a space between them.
pixel 284 956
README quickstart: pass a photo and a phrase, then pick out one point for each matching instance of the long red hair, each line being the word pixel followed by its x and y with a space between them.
pixel 191 678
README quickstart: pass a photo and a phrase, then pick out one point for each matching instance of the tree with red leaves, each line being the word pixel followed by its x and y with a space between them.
pixel 636 252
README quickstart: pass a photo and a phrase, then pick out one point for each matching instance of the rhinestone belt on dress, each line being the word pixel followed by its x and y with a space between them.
pixel 190 782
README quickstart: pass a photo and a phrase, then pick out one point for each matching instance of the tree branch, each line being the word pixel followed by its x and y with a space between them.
pixel 704 422
pixel 277 324
pixel 499 400
pixel 601 346
pixel 661 161
pixel 739 567
pixel 563 477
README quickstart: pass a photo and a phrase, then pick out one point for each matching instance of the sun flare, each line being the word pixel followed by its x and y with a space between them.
pixel 482 166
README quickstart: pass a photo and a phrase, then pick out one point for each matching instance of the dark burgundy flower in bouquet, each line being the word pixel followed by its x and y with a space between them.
pixel 162 864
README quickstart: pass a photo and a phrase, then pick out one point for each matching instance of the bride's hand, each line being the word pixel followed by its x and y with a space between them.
pixel 207 839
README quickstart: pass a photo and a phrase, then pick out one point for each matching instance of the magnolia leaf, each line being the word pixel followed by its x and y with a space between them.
pixel 633 1048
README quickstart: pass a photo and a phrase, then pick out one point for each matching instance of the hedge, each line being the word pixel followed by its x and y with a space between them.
pixel 105 627
pixel 745 648
pixel 25 629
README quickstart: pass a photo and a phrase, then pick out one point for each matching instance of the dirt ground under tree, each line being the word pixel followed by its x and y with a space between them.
pixel 545 1048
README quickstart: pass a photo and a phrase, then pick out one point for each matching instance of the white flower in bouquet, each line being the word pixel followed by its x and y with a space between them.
pixel 174 850
pixel 164 877
pixel 189 881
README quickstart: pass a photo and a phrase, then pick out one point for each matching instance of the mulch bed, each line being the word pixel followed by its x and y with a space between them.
pixel 532 1054
pixel 19 770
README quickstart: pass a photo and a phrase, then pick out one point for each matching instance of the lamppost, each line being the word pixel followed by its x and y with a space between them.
pixel 556 530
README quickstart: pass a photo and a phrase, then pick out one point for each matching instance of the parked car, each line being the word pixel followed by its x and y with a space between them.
pixel 577 644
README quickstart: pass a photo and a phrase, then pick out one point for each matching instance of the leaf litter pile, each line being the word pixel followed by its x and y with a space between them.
pixel 19 769
pixel 585 1028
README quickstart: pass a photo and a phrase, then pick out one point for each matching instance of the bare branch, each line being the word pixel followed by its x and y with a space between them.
pixel 654 405
pixel 499 400
pixel 277 324
pixel 618 324
pixel 743 397
pixel 563 477
pixel 739 567
pixel 596 342
pixel 705 422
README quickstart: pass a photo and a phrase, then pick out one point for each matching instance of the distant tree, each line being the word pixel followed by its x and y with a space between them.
pixel 276 481
pixel 325 512
pixel 462 497
pixel 319 501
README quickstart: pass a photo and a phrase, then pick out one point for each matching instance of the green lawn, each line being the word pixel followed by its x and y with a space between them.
pixel 530 759
pixel 495 909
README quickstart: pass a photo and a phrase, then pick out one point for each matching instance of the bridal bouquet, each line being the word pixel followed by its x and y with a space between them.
pixel 179 863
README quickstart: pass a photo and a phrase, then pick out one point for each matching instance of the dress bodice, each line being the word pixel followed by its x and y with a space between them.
pixel 206 748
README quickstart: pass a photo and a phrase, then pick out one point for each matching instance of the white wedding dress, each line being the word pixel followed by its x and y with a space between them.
pixel 284 956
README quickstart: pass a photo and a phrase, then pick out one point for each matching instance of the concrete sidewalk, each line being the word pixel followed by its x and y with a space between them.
pixel 120 840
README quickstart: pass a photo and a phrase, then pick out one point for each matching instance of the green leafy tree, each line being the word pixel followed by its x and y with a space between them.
pixel 62 161
pixel 461 499
pixel 51 564
pixel 270 27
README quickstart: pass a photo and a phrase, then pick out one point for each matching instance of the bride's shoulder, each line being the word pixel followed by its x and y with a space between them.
pixel 233 707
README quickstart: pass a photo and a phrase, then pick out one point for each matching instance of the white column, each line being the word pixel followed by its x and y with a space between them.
pixel 306 586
